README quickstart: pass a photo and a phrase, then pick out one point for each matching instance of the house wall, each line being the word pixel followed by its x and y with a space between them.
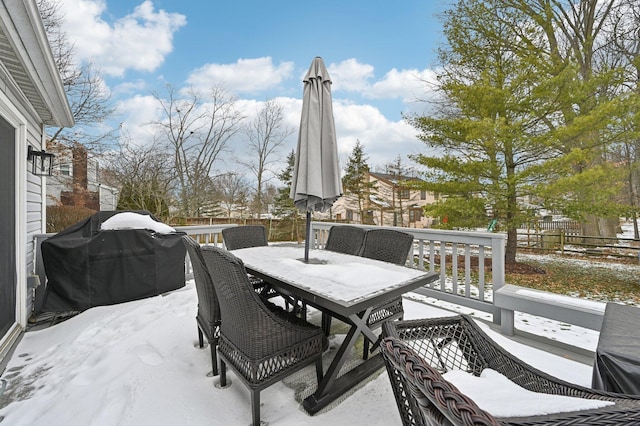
pixel 384 207
pixel 76 182
pixel 31 94
pixel 28 193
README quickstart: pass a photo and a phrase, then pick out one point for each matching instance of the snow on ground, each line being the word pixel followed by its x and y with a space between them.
pixel 138 363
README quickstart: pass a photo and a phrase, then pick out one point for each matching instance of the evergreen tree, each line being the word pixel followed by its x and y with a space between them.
pixel 482 154
pixel 356 179
pixel 398 172
pixel 284 207
pixel 525 111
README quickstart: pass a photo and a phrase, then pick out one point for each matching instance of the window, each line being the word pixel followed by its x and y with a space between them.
pixel 403 194
pixel 350 215
pixel 423 194
pixel 65 169
pixel 415 215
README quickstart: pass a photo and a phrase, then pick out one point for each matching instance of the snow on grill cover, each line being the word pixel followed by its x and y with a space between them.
pixel 88 266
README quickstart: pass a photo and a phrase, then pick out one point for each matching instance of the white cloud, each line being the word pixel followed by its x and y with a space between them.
pixel 383 140
pixel 128 87
pixel 409 85
pixel 350 75
pixel 138 112
pixel 244 76
pixel 358 118
pixel 139 41
pixel 409 88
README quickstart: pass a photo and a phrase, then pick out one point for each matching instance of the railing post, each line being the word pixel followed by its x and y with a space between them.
pixel 313 243
pixel 497 270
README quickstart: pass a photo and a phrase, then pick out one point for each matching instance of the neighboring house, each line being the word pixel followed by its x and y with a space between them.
pixel 76 180
pixel 31 97
pixel 391 203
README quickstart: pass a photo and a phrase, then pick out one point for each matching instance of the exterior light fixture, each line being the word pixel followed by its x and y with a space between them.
pixel 41 162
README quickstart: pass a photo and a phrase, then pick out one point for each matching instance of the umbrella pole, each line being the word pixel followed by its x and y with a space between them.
pixel 307 238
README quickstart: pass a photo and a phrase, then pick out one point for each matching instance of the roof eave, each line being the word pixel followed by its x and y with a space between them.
pixel 21 20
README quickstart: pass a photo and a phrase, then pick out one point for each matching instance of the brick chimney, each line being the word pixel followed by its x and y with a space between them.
pixel 80 196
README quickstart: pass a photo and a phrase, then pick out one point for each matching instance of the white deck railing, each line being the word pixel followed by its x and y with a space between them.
pixel 450 253
pixel 206 234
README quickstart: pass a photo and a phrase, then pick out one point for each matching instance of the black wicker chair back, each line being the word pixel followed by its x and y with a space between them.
pixel 342 239
pixel 387 245
pixel 208 316
pixel 239 237
pixel 390 246
pixel 260 341
pixel 345 239
pixel 418 352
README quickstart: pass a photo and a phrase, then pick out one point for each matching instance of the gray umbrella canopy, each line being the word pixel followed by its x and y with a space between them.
pixel 316 184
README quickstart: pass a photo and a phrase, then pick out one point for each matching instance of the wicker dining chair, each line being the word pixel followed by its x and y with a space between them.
pixel 418 352
pixel 208 316
pixel 391 246
pixel 260 341
pixel 342 239
pixel 239 237
pixel 345 239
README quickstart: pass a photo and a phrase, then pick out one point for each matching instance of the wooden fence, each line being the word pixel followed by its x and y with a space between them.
pixel 278 229
pixel 542 236
pixel 566 237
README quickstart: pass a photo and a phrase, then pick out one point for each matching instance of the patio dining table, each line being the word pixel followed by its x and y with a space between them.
pixel 343 286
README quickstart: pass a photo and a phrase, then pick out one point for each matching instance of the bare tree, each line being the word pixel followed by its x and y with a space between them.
pixel 88 96
pixel 269 194
pixel 624 36
pixel 144 175
pixel 267 134
pixel 233 192
pixel 566 40
pixel 197 130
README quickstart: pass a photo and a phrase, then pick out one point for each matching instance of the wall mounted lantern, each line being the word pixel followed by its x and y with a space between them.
pixel 41 162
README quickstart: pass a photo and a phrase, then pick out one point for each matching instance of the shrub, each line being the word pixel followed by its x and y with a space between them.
pixel 61 217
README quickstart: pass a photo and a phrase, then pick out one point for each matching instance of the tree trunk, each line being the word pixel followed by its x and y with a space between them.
pixel 512 245
pixel 594 226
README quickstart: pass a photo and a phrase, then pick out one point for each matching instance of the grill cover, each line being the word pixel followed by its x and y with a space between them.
pixel 87 267
pixel 617 361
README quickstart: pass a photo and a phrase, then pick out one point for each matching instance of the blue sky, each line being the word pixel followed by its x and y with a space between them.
pixel 377 53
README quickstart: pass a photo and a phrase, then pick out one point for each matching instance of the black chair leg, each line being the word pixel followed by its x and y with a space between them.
pixel 255 407
pixel 200 337
pixel 214 358
pixel 223 374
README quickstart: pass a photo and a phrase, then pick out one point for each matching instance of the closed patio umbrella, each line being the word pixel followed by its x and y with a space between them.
pixel 316 184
